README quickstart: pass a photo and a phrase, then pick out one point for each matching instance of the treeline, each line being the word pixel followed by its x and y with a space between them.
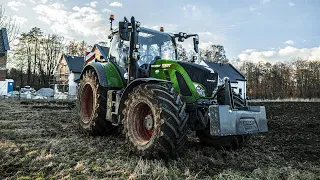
pixel 296 79
pixel 213 53
pixel 36 55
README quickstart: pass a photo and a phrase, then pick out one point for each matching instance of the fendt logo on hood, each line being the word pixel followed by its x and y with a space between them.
pixel 211 80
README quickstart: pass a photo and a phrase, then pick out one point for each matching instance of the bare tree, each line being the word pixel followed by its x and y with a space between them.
pixel 77 48
pixel 182 53
pixel 10 24
pixel 214 53
pixel 52 47
pixel 24 50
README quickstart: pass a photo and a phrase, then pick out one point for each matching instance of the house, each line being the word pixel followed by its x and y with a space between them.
pixel 237 79
pixel 6 85
pixel 67 71
pixel 97 54
pixel 4 48
pixel 100 52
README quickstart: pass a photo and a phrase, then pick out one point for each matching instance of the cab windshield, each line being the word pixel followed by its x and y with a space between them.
pixel 155 45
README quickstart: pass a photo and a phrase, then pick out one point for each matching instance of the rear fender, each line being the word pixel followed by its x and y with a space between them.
pixel 98 68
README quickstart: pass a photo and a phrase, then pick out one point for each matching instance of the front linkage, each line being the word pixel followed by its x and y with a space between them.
pixel 226 120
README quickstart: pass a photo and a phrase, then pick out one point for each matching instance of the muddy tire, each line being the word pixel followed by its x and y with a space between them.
pixel 155 122
pixel 224 142
pixel 91 102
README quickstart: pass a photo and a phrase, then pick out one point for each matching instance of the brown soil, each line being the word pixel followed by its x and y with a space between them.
pixel 44 143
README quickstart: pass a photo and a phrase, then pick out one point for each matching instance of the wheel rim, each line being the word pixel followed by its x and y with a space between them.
pixel 143 123
pixel 87 103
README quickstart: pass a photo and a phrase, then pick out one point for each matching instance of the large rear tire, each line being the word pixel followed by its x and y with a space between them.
pixel 92 100
pixel 155 122
pixel 224 142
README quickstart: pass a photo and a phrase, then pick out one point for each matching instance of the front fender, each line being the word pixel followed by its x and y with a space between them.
pixel 107 73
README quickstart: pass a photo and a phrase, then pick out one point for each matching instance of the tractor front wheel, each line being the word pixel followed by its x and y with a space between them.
pixel 92 105
pixel 155 122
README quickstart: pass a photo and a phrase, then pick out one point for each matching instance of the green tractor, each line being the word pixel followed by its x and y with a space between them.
pixel 156 99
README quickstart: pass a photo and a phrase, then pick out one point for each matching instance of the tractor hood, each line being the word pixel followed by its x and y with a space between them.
pixel 201 74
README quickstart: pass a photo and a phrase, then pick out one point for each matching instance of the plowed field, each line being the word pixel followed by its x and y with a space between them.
pixel 43 141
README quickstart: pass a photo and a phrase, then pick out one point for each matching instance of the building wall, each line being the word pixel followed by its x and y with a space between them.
pixel 97 53
pixel 3 64
pixel 4 86
pixel 240 87
pixel 62 71
pixel 73 85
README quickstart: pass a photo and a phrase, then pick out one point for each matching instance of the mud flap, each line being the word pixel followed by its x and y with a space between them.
pixel 225 121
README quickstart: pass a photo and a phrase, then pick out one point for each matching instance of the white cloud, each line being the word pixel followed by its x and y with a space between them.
pixel 284 54
pixel 14 5
pixel 32 1
pixel 19 20
pixel 252 8
pixel 93 4
pixel 167 27
pixel 290 42
pixel 265 1
pixel 43 1
pixel 189 7
pixel 116 4
pixel 205 45
pixel 204 33
pixel 249 50
pixel 44 19
pixel 291 4
pixel 106 10
pixel 84 21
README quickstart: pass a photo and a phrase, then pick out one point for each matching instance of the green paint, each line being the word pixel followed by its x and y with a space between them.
pixel 113 75
pixel 158 72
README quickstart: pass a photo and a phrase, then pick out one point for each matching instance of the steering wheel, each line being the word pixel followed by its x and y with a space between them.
pixel 145 58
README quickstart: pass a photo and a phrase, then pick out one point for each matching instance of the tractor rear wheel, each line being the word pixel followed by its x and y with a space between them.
pixel 92 100
pixel 155 122
pixel 224 142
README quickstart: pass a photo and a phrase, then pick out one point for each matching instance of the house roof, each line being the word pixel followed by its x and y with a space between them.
pixel 4 42
pixel 75 63
pixel 227 70
pixel 104 51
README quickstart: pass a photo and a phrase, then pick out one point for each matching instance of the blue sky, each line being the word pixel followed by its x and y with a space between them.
pixel 256 30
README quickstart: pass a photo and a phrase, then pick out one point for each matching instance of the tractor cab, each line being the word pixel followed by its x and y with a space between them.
pixel 152 46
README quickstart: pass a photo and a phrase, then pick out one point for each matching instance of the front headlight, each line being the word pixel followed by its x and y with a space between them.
pixel 201 91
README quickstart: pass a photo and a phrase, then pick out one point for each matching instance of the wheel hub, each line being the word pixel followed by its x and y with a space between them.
pixel 87 103
pixel 148 122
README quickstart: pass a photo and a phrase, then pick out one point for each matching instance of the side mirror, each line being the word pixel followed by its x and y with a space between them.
pixel 196 44
pixel 123 30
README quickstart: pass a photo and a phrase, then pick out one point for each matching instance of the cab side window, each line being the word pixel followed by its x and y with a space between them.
pixel 119 51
